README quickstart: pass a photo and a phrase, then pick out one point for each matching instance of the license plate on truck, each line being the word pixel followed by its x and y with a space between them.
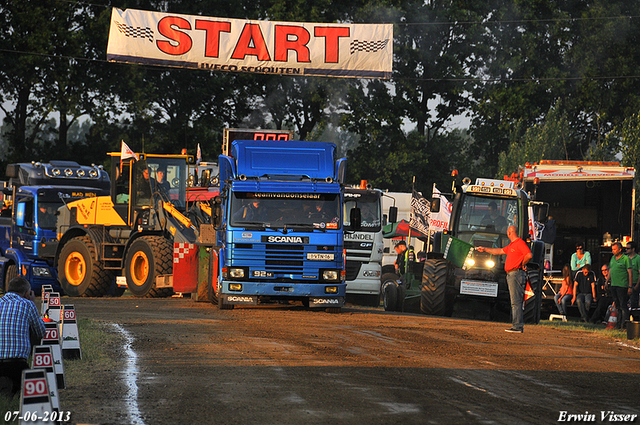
pixel 479 287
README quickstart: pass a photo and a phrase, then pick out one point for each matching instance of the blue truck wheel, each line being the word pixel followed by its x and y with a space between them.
pixel 12 272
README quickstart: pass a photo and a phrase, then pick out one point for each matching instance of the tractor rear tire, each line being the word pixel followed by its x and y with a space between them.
pixel 433 291
pixel 389 291
pixel 80 275
pixel 533 307
pixel 147 258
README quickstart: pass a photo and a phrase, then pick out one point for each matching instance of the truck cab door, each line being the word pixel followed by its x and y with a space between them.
pixel 24 224
pixel 121 188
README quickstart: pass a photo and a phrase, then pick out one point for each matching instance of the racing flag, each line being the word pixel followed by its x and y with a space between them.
pixel 127 152
pixel 420 212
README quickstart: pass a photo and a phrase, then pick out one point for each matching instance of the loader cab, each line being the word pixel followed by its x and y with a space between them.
pixel 140 184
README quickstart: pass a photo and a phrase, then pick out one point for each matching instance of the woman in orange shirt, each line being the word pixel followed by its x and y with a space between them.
pixel 565 294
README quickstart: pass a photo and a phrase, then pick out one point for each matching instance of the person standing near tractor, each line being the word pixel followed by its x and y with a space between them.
pixel 518 255
pixel 621 282
pixel 400 262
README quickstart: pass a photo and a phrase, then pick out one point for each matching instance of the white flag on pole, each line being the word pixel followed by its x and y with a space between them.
pixel 440 221
pixel 127 152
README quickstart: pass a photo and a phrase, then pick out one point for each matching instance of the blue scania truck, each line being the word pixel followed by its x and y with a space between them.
pixel 279 225
pixel 31 198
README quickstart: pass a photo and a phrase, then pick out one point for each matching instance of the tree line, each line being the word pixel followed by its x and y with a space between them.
pixel 537 79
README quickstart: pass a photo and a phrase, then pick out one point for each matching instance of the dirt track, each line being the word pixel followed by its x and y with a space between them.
pixel 196 364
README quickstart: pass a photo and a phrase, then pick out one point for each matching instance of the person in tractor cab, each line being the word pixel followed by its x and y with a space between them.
pixel 161 181
pixel 494 220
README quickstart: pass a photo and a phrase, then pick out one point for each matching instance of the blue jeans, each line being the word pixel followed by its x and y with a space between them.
pixel 584 304
pixel 516 281
pixel 562 303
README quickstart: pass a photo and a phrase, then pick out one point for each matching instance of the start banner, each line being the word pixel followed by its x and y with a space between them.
pixel 262 47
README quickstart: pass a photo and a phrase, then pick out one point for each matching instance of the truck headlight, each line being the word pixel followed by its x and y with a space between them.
pixel 236 272
pixel 330 275
pixel 490 263
pixel 470 262
pixel 41 271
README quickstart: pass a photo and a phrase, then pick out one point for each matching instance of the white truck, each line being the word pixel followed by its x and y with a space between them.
pixel 363 247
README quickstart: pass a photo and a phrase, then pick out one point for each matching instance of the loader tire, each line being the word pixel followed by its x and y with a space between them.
pixel 79 273
pixel 147 258
pixel 433 291
pixel 12 272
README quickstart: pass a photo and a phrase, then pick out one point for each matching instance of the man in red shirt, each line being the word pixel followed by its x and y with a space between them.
pixel 518 255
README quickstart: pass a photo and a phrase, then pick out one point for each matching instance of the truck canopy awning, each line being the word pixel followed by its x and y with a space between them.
pixel 577 173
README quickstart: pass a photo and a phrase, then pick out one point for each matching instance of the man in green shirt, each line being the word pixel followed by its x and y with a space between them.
pixel 632 247
pixel 621 283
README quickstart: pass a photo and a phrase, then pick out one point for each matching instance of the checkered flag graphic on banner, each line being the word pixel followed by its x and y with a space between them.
pixel 368 46
pixel 135 32
pixel 420 211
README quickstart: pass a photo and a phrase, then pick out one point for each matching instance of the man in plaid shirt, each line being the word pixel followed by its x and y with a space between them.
pixel 19 324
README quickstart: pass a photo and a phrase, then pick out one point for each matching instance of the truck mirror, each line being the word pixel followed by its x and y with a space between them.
pixel 435 205
pixel 217 212
pixel 393 214
pixel 20 212
pixel 205 178
pixel 355 219
pixel 543 214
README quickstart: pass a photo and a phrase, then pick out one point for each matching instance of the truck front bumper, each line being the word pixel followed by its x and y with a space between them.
pixel 254 293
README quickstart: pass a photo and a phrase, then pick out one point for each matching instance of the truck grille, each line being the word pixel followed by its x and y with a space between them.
pixel 353 268
pixel 282 259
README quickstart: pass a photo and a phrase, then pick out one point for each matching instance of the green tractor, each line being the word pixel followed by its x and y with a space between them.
pixel 455 271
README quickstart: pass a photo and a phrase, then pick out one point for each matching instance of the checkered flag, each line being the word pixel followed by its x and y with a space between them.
pixel 368 46
pixel 135 32
pixel 420 212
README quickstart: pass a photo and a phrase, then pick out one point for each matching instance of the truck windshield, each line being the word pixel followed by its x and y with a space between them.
pixel 291 210
pixel 47 214
pixel 369 204
pixel 487 216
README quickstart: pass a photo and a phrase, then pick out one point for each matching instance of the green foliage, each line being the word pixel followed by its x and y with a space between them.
pixel 506 63
pixel 548 140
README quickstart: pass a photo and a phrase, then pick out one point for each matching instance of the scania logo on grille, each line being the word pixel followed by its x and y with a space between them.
pixel 285 239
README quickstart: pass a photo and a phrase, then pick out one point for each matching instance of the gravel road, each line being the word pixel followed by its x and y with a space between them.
pixel 190 363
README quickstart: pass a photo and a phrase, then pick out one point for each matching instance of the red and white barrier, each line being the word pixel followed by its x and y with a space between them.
pixel 69 332
pixel 43 359
pixel 35 401
pixel 52 338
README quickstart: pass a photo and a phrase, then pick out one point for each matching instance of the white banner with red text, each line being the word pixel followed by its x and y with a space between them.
pixel 261 47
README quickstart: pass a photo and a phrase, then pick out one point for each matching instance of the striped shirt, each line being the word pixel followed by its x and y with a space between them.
pixel 18 317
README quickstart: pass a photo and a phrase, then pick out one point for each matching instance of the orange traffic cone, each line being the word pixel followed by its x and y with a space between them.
pixel 613 318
